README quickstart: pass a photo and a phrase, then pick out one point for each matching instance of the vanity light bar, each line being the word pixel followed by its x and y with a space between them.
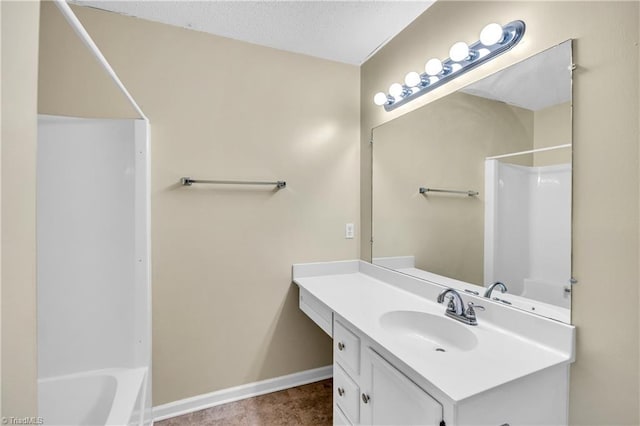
pixel 494 40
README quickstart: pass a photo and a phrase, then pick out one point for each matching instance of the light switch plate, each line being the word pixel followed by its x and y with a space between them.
pixel 349 230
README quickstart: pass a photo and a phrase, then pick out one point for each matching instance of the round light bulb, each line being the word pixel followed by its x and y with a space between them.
pixel 491 34
pixel 412 79
pixel 380 98
pixel 396 90
pixel 433 67
pixel 459 51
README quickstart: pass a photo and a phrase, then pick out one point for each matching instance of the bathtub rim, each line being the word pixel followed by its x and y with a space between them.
pixel 130 383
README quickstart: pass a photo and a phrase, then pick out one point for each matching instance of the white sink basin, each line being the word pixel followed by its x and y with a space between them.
pixel 437 332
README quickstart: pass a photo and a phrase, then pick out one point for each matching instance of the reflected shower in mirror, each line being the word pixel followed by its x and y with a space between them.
pixel 475 188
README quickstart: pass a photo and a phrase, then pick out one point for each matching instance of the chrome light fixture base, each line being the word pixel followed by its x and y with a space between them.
pixel 478 55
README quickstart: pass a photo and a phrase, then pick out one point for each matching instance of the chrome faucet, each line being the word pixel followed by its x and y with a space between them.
pixel 455 307
pixel 501 287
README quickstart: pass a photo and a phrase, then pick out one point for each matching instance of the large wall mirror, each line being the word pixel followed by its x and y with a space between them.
pixel 475 188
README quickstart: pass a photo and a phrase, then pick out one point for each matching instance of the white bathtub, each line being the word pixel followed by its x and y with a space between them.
pixel 100 397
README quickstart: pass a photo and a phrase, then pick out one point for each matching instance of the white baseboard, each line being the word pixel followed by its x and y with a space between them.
pixel 208 400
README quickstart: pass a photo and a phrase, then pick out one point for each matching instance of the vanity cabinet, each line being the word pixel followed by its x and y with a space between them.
pixel 397 359
pixel 367 389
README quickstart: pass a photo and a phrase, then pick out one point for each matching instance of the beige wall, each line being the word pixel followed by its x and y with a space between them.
pixel 19 129
pixel 442 145
pixel 604 379
pixel 71 81
pixel 224 309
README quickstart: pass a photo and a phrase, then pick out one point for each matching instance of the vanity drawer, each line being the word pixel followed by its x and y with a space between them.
pixel 317 311
pixel 346 394
pixel 346 348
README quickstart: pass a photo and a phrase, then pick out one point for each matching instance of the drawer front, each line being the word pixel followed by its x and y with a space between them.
pixel 346 394
pixel 346 348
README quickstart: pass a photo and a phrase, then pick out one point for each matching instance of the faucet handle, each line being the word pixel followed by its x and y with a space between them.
pixel 471 310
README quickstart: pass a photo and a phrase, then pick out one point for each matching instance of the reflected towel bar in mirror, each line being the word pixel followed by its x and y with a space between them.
pixel 449 191
pixel 187 181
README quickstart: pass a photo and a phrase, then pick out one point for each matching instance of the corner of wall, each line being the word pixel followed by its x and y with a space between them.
pixel 19 29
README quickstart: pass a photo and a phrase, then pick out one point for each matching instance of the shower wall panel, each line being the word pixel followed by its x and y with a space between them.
pixel 86 245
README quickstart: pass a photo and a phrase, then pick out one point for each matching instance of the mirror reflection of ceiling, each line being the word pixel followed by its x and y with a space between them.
pixel 343 31
pixel 523 85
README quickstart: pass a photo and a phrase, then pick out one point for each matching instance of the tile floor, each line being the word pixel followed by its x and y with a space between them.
pixel 303 405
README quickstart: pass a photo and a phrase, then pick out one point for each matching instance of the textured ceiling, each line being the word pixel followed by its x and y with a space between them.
pixel 536 83
pixel 343 31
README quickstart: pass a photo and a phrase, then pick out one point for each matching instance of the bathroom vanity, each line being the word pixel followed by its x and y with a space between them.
pixel 399 360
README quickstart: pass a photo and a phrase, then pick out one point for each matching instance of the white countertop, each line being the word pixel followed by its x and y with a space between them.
pixel 500 356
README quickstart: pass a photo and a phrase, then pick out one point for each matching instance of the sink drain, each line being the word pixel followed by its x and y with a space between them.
pixel 440 350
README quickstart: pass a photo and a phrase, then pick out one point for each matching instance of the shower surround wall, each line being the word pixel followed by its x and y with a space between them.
pixel 93 293
pixel 86 245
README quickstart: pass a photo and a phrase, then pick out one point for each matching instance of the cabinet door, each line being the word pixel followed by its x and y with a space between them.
pixel 394 399
pixel 339 419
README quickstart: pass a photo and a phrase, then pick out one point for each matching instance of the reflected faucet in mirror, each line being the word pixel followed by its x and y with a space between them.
pixel 501 287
